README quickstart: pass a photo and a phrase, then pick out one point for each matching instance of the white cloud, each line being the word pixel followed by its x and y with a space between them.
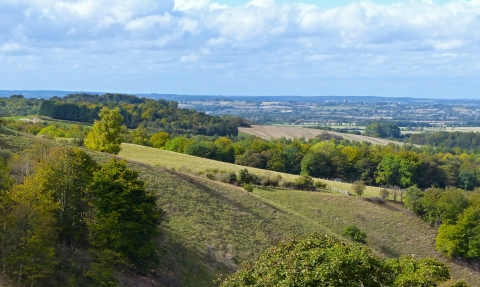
pixel 260 3
pixel 358 39
pixel 10 47
pixel 149 22
pixel 186 5
pixel 188 59
pixel 187 25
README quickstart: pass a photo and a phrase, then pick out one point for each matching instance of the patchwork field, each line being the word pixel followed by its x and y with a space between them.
pixel 272 132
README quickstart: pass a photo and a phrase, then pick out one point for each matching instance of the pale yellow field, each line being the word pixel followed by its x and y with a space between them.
pixel 169 159
pixel 271 132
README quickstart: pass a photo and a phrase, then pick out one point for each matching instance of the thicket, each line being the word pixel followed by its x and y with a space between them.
pixel 246 178
pixel 17 105
pixel 322 260
pixel 68 221
pixel 455 213
pixel 382 130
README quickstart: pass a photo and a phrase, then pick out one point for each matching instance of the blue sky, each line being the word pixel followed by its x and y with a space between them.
pixel 231 47
pixel 325 4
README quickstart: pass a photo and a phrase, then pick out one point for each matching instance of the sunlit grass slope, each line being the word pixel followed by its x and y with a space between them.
pixel 169 159
pixel 213 226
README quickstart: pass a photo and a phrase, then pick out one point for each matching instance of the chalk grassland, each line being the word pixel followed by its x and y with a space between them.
pixel 178 161
pixel 48 120
pixel 213 227
pixel 272 132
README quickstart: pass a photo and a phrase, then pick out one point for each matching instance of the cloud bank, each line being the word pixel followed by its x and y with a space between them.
pixel 200 46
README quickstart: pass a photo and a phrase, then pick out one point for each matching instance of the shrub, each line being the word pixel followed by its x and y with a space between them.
pixel 210 176
pixel 248 187
pixel 354 233
pixel 304 182
pixel 358 187
pixel 322 260
pixel 244 177
pixel 384 193
pixel 320 185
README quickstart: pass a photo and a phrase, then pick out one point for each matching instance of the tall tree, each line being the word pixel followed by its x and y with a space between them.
pixel 398 169
pixel 462 238
pixel 159 139
pixel 127 216
pixel 105 133
pixel 28 232
pixel 67 173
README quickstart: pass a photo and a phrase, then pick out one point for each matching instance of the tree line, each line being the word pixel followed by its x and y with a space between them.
pixel 154 115
pixel 330 158
pixel 391 165
pixel 448 140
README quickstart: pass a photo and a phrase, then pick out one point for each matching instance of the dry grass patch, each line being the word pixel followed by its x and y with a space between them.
pixel 273 132
pixel 391 229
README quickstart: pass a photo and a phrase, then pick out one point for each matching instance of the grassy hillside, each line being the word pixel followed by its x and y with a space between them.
pixel 177 161
pixel 213 226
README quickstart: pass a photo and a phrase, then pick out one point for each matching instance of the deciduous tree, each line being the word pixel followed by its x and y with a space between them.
pixel 105 133
pixel 127 216
pixel 358 187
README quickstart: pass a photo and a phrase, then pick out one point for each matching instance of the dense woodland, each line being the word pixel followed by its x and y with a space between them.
pixel 67 220
pixel 455 213
pixel 154 115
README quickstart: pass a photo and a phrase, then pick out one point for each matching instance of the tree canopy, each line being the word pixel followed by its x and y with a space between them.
pixel 105 133
pixel 323 260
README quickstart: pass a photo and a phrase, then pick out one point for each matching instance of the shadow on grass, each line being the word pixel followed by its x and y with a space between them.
pixel 388 204
pixel 181 266
pixel 391 252
pixel 203 187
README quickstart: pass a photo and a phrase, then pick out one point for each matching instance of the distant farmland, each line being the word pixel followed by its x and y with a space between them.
pixel 272 132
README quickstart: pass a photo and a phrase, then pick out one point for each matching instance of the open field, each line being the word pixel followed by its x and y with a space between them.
pixel 169 159
pixel 48 120
pixel 463 129
pixel 214 226
pixel 271 132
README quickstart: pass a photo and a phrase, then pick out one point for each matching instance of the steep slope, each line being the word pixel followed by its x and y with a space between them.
pixel 213 226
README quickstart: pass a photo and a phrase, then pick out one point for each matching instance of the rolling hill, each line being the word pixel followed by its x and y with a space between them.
pixel 213 226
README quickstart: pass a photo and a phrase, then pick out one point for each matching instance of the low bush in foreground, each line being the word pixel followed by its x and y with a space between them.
pixel 323 260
